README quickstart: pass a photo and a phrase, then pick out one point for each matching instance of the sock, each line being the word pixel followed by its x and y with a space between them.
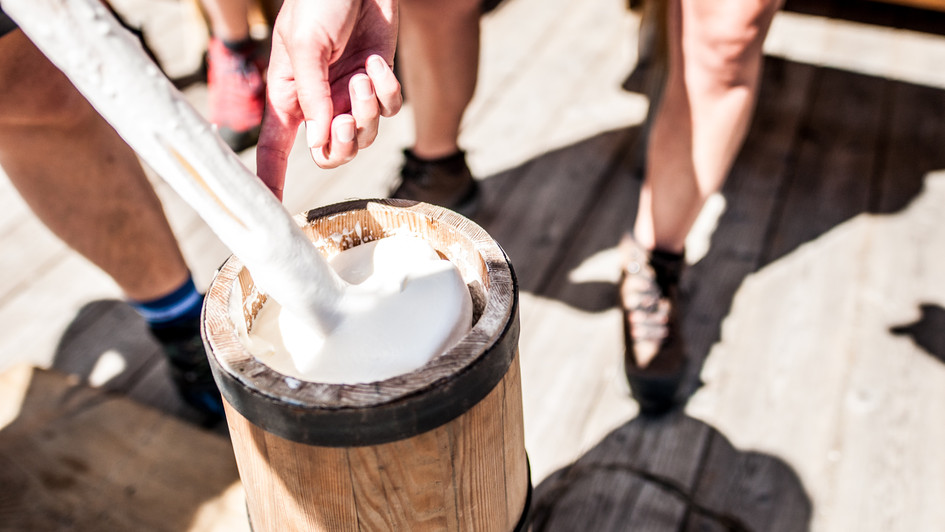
pixel 455 159
pixel 181 306
pixel 245 46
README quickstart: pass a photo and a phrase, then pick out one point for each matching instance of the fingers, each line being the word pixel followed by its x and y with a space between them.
pixel 342 145
pixel 318 75
pixel 279 125
pixel 372 95
pixel 271 162
pixel 386 86
pixel 331 141
pixel 364 108
pixel 311 79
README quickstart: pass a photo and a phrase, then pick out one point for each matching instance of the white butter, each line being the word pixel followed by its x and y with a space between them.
pixel 404 305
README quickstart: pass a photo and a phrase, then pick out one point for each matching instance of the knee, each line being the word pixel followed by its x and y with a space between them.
pixel 722 44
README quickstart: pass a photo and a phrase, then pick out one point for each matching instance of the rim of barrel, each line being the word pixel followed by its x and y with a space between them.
pixel 439 391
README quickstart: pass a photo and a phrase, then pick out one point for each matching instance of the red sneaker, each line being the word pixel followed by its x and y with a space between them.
pixel 237 93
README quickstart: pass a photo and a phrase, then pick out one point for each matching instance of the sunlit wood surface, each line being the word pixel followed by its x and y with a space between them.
pixel 816 296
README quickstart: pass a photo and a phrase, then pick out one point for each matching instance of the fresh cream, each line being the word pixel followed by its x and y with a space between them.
pixel 404 305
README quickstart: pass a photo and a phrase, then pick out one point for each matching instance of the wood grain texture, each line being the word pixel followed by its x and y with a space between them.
pixel 470 474
pixel 672 473
pixel 467 472
pixel 753 195
pixel 392 492
pixel 481 262
pixel 76 458
pixel 807 368
pixel 824 354
pixel 938 5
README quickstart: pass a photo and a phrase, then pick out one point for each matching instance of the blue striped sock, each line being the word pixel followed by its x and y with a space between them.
pixel 181 305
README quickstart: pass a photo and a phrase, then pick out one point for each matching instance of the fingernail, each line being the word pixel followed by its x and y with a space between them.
pixel 310 133
pixel 345 130
pixel 375 65
pixel 362 87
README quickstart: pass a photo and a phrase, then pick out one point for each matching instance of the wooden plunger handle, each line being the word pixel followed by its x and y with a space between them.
pixel 107 64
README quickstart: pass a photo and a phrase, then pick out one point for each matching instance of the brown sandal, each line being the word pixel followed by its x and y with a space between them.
pixel 655 356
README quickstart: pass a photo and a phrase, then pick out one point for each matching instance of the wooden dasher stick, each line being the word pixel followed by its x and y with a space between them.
pixel 107 64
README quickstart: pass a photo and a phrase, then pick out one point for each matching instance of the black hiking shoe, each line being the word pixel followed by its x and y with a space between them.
pixel 190 369
pixel 446 182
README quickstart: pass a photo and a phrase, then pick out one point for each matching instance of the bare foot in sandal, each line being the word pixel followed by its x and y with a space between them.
pixel 655 356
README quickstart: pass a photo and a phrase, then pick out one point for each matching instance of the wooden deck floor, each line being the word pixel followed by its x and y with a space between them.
pixel 816 314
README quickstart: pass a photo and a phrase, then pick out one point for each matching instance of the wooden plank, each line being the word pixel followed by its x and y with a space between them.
pixel 448 478
pixel 514 454
pixel 638 476
pixel 481 479
pixel 775 382
pixel 402 492
pixel 173 30
pixel 698 522
pixel 550 199
pixel 561 389
pixel 751 195
pixel 600 501
pixel 610 219
pixel 836 160
pixel 804 365
pixel 669 473
pixel 657 509
pixel 37 249
pixel 913 141
pixel 583 281
pixel 566 91
pixel 78 459
pixel 531 25
pixel 938 5
pixel 12 207
pixel 824 386
pixel 563 351
pixel 107 345
pixel 750 490
pixel 895 378
pixel 668 449
pixel 35 318
pixel 880 40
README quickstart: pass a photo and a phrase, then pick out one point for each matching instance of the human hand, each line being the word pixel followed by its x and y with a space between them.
pixel 329 68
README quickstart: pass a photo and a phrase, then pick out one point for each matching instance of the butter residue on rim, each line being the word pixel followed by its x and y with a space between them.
pixel 403 305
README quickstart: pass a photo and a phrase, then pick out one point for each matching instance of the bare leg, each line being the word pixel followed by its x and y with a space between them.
pixel 228 19
pixel 79 176
pixel 714 70
pixel 712 83
pixel 439 43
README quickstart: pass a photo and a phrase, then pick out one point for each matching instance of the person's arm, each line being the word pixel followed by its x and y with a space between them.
pixel 331 69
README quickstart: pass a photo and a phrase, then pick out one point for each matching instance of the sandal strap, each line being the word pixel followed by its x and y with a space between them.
pixel 648 288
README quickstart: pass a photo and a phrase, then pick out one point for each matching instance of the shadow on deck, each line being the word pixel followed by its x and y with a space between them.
pixel 826 146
